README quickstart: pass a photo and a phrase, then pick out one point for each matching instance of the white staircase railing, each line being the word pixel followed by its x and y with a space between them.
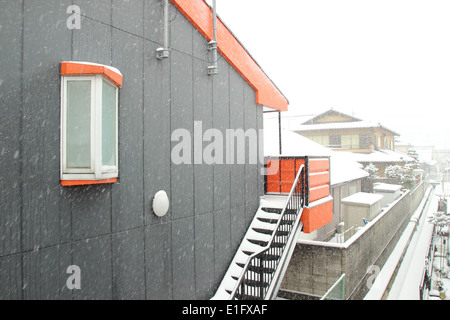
pixel 258 267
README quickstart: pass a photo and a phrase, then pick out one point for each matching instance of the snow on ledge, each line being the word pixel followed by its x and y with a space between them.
pixel 358 234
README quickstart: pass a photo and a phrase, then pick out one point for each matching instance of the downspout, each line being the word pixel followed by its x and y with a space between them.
pixel 162 53
pixel 279 134
pixel 212 45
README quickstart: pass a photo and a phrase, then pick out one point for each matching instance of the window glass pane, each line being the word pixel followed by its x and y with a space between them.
pixel 316 139
pixel 109 125
pixel 364 141
pixel 335 141
pixel 350 141
pixel 326 141
pixel 323 140
pixel 78 124
pixel 346 141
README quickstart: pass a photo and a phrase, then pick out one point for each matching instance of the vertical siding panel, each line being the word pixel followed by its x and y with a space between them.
pixel 91 211
pixel 10 125
pixel 222 239
pixel 260 127
pixel 10 277
pixel 157 133
pixel 127 197
pixel 251 179
pixel 43 52
pixel 92 42
pixel 183 262
pixel 128 265
pixel 204 256
pixel 237 122
pixel 182 176
pixel 45 273
pixel 221 122
pixel 203 173
pixel 127 16
pixel 158 261
pixel 93 256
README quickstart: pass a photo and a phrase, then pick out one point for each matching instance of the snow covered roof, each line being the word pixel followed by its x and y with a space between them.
pixel 386 187
pixel 342 125
pixel 332 112
pixel 293 144
pixel 342 167
pixel 363 198
pixel 381 155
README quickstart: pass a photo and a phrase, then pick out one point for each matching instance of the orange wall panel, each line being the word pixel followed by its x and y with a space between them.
pixel 287 164
pixel 273 187
pixel 273 180
pixel 319 179
pixel 299 163
pixel 318 165
pixel 318 193
pixel 317 217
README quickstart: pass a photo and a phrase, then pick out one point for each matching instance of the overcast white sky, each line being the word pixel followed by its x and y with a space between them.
pixel 381 60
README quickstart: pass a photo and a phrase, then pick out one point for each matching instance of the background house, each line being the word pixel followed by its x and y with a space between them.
pixel 342 132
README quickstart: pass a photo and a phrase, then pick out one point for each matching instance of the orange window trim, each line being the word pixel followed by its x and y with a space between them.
pixel 200 15
pixel 71 183
pixel 73 68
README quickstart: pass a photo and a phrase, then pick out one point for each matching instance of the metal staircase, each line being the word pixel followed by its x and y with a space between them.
pixel 257 269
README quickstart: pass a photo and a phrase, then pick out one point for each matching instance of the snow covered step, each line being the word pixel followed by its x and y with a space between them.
pixel 268 215
pixel 248 246
pixel 272 210
pixel 222 295
pixel 230 284
pixel 257 224
pixel 241 257
pixel 255 235
pixel 235 270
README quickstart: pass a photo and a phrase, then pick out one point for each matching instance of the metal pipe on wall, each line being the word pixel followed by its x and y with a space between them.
pixel 212 45
pixel 162 53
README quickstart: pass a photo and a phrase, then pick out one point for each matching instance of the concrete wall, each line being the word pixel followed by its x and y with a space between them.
pixel 315 266
pixel 109 231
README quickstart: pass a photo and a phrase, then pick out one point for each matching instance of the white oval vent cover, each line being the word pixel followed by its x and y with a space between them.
pixel 161 203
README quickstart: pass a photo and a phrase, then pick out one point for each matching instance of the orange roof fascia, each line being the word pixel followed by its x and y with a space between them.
pixel 200 15
pixel 74 68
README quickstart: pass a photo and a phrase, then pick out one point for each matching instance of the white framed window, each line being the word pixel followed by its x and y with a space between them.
pixel 89 128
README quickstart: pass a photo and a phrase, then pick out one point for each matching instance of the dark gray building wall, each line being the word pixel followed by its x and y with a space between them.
pixel 109 231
